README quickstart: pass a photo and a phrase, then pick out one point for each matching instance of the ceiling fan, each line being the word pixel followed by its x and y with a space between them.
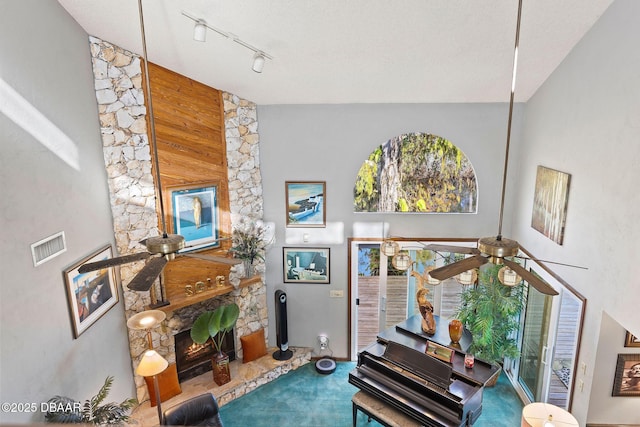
pixel 164 248
pixel 494 249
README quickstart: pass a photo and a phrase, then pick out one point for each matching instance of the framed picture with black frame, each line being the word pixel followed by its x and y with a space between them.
pixel 306 265
pixel 92 294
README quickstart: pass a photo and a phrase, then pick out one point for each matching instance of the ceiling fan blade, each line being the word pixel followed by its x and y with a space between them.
pixel 149 273
pixel 452 249
pixel 112 262
pixel 531 278
pixel 458 267
pixel 220 259
pixel 551 262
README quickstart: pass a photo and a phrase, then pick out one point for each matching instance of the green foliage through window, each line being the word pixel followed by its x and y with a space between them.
pixel 416 173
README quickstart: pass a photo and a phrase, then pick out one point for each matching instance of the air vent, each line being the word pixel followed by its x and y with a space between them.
pixel 48 248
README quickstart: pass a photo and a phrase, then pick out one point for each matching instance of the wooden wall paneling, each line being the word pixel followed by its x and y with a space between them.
pixel 189 125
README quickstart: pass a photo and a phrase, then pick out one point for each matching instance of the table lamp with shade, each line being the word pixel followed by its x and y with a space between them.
pixel 151 365
pixel 540 414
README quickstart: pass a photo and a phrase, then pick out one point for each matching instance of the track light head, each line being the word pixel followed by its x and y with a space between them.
pixel 258 62
pixel 200 31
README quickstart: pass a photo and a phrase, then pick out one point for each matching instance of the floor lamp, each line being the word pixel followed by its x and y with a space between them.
pixel 146 320
pixel 150 366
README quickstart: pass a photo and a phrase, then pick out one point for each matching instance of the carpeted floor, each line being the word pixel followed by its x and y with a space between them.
pixel 305 398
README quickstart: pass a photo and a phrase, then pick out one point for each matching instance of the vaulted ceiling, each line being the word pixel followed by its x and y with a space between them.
pixel 352 51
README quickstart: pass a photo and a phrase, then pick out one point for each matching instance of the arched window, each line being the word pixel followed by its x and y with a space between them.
pixel 416 172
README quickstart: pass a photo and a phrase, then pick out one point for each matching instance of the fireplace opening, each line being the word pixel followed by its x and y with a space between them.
pixel 194 359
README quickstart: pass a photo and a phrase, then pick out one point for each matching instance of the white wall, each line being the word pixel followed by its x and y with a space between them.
pixel 585 120
pixel 329 143
pixel 44 57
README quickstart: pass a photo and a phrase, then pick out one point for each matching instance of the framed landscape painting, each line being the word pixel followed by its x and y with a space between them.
pixel 195 215
pixel 305 203
pixel 550 203
pixel 91 294
pixel 302 265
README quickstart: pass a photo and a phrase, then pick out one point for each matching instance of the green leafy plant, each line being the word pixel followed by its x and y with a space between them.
pixel 64 410
pixel 214 324
pixel 490 310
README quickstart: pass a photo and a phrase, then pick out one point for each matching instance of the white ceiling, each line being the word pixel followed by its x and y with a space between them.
pixel 352 51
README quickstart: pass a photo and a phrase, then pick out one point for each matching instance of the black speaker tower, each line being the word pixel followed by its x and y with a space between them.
pixel 283 352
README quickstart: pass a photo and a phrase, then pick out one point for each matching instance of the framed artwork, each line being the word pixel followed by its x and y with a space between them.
pixel 627 378
pixel 91 294
pixel 631 340
pixel 302 265
pixel 306 203
pixel 550 203
pixel 195 215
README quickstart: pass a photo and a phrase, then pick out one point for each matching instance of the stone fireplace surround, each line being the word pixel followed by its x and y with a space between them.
pixel 128 163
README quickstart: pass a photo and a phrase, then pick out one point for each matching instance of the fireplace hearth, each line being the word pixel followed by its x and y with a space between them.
pixel 193 359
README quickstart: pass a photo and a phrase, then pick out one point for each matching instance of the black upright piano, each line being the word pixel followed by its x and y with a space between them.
pixel 396 370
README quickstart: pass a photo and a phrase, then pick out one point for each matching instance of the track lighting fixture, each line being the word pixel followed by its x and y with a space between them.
pixel 200 31
pixel 258 62
pixel 200 34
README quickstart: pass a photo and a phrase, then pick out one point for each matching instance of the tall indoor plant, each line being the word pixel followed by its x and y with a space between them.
pixel 214 325
pixel 490 310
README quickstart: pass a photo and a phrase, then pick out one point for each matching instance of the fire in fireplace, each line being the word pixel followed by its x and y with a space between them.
pixel 194 359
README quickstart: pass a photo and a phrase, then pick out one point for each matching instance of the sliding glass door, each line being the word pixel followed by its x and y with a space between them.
pixel 549 339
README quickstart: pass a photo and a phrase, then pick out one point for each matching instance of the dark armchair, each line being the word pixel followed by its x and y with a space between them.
pixel 198 411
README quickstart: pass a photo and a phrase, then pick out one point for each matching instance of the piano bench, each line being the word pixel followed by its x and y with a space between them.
pixel 379 411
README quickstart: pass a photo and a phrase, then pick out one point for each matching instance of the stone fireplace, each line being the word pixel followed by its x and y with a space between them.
pixel 193 359
pixel 128 163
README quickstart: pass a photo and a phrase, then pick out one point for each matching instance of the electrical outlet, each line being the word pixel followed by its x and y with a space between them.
pixel 583 367
pixel 581 385
pixel 324 341
pixel 336 294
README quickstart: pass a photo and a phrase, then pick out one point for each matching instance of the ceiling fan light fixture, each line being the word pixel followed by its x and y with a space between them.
pixel 389 247
pixel 401 261
pixel 468 277
pixel 431 280
pixel 508 277
pixel 200 31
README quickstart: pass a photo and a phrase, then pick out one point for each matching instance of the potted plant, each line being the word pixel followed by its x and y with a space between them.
pixel 214 325
pixel 490 311
pixel 248 243
pixel 64 410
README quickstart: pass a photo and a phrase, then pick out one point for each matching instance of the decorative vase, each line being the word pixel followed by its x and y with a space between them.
pixel 248 268
pixel 455 330
pixel 221 369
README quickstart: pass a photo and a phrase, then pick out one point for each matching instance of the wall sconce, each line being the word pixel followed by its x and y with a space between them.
pixel 508 277
pixel 200 34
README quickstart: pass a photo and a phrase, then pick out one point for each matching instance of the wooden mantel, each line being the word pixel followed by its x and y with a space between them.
pixel 179 301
